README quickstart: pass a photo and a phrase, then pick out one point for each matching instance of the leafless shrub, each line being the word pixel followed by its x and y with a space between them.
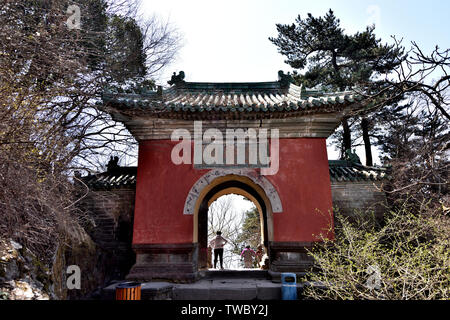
pixel 404 259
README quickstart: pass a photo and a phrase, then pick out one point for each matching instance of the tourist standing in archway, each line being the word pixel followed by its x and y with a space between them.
pixel 217 244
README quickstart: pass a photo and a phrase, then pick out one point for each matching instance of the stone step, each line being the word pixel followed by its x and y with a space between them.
pixel 105 223
pixel 105 232
pixel 102 239
pixel 228 289
pixel 234 274
pixel 212 289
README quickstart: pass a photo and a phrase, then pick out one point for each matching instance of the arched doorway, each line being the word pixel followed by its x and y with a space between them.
pixel 230 184
pixel 238 219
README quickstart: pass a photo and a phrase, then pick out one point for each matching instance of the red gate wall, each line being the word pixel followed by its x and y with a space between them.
pixel 302 182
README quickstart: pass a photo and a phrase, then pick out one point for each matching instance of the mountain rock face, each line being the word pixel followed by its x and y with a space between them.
pixel 22 276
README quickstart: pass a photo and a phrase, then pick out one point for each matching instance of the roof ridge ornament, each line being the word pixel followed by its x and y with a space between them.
pixel 284 79
pixel 352 156
pixel 177 79
pixel 113 164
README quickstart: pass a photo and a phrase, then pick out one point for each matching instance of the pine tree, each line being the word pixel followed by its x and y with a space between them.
pixel 251 229
pixel 336 61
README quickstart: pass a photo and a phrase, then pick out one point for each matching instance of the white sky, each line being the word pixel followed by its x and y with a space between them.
pixel 227 41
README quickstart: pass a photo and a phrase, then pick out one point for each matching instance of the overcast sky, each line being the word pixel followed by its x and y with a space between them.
pixel 227 41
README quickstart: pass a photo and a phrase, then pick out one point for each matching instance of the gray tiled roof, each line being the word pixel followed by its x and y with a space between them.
pixel 340 171
pixel 119 177
pixel 346 171
pixel 259 97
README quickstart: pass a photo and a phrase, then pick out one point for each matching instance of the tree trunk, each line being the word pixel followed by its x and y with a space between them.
pixel 366 138
pixel 346 138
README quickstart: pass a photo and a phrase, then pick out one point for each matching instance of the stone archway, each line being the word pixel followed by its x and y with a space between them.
pixel 216 183
pixel 206 180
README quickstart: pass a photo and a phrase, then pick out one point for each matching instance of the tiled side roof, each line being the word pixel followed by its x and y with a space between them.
pixel 340 171
pixel 119 177
pixel 346 171
pixel 262 97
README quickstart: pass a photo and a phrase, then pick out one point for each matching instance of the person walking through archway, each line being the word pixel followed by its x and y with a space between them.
pixel 217 244
pixel 259 255
pixel 248 255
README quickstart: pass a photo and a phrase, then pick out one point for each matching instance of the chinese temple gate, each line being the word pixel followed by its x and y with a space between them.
pixel 292 192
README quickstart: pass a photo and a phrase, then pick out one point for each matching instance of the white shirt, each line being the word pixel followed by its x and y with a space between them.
pixel 218 242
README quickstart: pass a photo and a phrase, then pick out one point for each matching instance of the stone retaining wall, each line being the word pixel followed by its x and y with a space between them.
pixel 112 214
pixel 363 195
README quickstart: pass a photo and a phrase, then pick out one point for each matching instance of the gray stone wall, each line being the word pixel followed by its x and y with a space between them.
pixel 112 211
pixel 112 214
pixel 363 195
